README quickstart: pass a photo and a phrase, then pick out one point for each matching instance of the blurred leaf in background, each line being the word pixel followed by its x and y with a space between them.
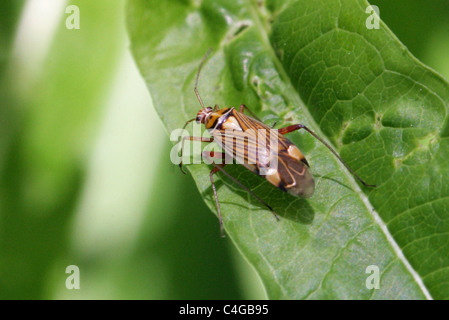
pixel 422 27
pixel 9 14
pixel 59 100
pixel 85 175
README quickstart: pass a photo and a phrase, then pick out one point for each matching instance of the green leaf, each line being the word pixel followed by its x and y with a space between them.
pixel 315 63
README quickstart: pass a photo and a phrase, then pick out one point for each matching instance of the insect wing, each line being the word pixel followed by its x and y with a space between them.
pixel 247 140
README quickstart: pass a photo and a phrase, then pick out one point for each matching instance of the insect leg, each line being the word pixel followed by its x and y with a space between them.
pixel 301 126
pixel 217 155
pixel 220 168
pixel 211 175
pixel 242 109
pixel 192 139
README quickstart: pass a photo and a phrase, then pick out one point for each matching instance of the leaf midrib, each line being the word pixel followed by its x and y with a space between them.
pixel 369 207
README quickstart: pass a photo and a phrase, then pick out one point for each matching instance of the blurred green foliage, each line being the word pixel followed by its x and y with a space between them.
pixel 56 209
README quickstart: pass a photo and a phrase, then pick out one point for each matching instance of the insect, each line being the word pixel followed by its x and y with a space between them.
pixel 230 127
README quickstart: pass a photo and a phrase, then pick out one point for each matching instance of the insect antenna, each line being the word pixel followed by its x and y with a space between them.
pixel 198 76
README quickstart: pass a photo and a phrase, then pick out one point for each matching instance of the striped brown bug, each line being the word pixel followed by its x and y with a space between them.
pixel 229 128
